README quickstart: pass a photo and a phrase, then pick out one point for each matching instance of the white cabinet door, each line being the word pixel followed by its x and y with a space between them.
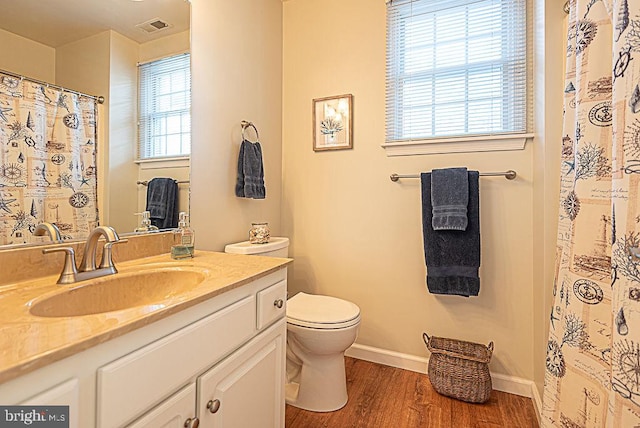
pixel 65 394
pixel 172 413
pixel 247 388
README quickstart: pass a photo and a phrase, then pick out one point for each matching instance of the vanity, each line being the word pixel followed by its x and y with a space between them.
pixel 162 343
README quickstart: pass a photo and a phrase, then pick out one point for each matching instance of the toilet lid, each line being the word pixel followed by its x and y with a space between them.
pixel 323 312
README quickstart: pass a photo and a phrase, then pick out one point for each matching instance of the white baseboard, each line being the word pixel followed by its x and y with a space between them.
pixel 512 384
pixel 501 382
pixel 388 358
pixel 537 403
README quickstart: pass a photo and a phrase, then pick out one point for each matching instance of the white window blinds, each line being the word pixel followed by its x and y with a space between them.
pixel 165 108
pixel 455 68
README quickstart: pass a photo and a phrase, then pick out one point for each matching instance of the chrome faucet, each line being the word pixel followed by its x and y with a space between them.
pixel 48 229
pixel 89 259
pixel 88 269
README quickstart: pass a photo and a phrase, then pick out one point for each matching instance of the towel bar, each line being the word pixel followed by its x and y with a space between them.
pixel 145 182
pixel 509 175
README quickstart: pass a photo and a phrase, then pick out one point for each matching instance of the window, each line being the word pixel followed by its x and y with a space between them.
pixel 456 68
pixel 164 127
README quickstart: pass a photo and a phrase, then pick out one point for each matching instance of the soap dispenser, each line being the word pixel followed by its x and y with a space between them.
pixel 145 223
pixel 184 239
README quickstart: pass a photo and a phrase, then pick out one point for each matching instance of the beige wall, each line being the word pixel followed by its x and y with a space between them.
pixel 357 235
pixel 549 57
pixel 83 66
pixel 236 74
pixel 165 46
pixel 26 57
pixel 123 107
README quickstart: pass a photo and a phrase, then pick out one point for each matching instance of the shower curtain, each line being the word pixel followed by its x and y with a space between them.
pixel 592 376
pixel 47 161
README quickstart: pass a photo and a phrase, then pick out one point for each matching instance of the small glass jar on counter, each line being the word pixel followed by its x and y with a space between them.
pixel 259 233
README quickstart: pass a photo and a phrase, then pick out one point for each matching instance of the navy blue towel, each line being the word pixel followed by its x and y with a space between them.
pixel 452 256
pixel 250 180
pixel 162 202
pixel 449 198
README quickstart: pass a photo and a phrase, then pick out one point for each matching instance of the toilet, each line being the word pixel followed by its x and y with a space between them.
pixel 319 331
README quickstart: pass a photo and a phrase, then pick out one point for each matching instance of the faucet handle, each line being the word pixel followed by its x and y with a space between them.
pixel 69 270
pixel 107 261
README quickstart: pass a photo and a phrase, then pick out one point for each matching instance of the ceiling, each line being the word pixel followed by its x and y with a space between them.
pixel 58 22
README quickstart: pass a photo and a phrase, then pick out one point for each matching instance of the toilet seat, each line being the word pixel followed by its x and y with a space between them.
pixel 321 312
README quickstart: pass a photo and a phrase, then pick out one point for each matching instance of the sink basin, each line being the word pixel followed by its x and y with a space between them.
pixel 118 292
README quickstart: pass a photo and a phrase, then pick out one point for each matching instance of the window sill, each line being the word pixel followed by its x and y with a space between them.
pixel 168 162
pixel 488 143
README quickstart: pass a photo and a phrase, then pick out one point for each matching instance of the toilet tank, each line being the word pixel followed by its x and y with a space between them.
pixel 276 247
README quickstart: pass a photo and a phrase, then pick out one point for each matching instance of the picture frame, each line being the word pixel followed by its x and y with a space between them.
pixel 333 123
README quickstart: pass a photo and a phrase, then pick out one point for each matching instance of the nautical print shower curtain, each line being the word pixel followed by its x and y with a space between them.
pixel 47 161
pixel 592 374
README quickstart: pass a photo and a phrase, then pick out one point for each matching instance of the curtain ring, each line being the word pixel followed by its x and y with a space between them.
pixel 246 124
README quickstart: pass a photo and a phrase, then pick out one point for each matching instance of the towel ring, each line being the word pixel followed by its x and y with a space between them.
pixel 245 124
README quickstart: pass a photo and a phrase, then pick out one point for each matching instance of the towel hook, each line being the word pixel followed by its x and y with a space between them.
pixel 246 124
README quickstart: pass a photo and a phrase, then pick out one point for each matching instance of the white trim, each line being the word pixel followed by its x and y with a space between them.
pixel 457 145
pixel 388 358
pixel 537 403
pixel 505 383
pixel 169 55
pixel 161 159
pixel 179 161
pixel 512 384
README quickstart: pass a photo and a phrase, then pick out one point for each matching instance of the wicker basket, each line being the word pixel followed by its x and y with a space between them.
pixel 459 369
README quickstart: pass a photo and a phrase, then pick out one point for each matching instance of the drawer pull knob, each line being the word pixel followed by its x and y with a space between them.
pixel 278 303
pixel 213 405
pixel 192 423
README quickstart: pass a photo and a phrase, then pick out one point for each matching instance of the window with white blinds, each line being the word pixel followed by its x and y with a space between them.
pixel 164 126
pixel 455 68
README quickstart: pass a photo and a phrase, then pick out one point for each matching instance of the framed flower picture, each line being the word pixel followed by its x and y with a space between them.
pixel 333 123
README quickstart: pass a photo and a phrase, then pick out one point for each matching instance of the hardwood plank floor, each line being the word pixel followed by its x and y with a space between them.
pixel 386 397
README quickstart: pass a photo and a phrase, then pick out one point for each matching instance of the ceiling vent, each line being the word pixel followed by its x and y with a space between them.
pixel 153 25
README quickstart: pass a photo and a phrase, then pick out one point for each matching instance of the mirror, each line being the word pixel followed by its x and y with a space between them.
pixel 94 47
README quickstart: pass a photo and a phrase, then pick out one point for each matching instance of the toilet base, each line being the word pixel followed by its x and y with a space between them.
pixel 324 386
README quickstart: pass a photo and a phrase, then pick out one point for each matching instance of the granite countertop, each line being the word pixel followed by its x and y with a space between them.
pixel 28 342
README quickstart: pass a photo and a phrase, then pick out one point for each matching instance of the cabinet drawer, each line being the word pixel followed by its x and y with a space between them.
pixel 134 383
pixel 272 304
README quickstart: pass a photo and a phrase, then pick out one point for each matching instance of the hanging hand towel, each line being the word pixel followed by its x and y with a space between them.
pixel 449 198
pixel 250 182
pixel 452 256
pixel 162 202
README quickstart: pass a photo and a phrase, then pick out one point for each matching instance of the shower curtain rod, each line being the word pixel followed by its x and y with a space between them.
pixel 509 175
pixel 99 99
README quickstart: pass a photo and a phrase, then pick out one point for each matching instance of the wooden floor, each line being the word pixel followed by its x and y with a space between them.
pixel 382 396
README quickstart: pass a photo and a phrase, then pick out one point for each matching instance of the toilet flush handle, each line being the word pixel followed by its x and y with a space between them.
pixel 278 303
